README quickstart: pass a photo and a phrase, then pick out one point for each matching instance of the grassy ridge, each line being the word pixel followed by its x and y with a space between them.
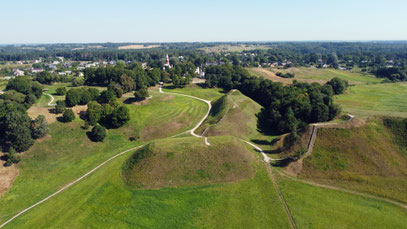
pixel 366 159
pixel 104 201
pixel 315 207
pixel 210 94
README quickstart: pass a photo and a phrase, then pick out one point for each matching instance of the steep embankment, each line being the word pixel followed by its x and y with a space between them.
pixel 233 115
pixel 188 162
pixel 370 158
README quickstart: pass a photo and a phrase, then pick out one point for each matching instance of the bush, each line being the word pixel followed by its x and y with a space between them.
pixel 60 107
pixel 68 115
pixel 12 157
pixel 338 85
pixel 98 133
pixel 39 127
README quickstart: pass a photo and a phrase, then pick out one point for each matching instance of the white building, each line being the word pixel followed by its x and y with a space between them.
pixel 18 72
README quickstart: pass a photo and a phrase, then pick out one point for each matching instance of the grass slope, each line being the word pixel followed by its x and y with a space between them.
pixel 234 115
pixel 188 162
pixel 104 201
pixel 315 207
pixel 210 94
pixel 367 159
pixel 380 99
pixel 67 153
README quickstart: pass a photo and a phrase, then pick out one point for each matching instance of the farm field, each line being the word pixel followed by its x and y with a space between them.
pixel 50 164
pixel 310 75
pixel 104 193
pixel 316 207
pixel 233 48
pixel 378 99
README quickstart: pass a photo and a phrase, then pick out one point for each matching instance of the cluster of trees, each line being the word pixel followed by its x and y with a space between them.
pixel 110 115
pixel 392 74
pixel 285 75
pixel 286 108
pixel 17 130
pixel 81 96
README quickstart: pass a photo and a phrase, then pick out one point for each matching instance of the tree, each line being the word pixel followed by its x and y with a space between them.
pixel 98 133
pixel 120 116
pixel 93 113
pixel 39 127
pixel 338 85
pixel 17 132
pixel 60 106
pixel 61 91
pixel 73 97
pixel 46 78
pixel 141 93
pixel 68 115
pixel 106 96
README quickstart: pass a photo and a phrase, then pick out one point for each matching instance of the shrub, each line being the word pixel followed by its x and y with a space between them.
pixel 39 127
pixel 98 133
pixel 60 107
pixel 68 115
pixel 12 157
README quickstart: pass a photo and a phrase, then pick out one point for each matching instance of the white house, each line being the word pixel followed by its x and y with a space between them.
pixel 18 72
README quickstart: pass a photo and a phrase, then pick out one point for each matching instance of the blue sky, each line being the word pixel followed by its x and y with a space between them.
pixel 74 21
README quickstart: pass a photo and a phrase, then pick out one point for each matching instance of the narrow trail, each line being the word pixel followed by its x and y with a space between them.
pixel 275 184
pixel 52 100
pixel 192 131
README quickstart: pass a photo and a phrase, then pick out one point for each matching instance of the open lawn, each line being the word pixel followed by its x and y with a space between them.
pixel 210 94
pixel 316 207
pixel 104 201
pixel 379 99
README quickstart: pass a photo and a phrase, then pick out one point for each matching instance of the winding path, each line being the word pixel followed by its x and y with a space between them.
pixel 52 100
pixel 192 131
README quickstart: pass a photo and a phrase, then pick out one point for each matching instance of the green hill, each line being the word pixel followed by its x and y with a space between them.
pixel 188 161
pixel 234 114
pixel 371 158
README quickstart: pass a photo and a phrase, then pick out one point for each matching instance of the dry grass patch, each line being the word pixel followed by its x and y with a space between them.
pixel 7 176
pixel 138 46
pixel 188 162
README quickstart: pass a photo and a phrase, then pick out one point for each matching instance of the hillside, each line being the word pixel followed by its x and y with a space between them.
pixel 370 158
pixel 233 115
pixel 187 161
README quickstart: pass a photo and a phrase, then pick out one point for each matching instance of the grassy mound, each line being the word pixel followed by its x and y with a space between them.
pixel 371 158
pixel 188 162
pixel 233 115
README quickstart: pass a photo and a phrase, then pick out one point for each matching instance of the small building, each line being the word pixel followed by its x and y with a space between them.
pixel 18 72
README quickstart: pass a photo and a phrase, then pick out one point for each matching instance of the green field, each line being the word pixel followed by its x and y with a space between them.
pixel 104 201
pixel 327 74
pixel 379 99
pixel 233 48
pixel 67 153
pixel 315 207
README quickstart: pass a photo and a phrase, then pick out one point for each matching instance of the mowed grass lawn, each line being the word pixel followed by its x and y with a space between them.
pixel 210 94
pixel 379 99
pixel 315 207
pixel 327 74
pixel 67 153
pixel 104 201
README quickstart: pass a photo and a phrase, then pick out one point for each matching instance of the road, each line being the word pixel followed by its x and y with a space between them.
pixel 192 131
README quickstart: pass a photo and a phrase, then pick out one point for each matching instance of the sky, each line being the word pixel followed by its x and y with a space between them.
pixel 96 21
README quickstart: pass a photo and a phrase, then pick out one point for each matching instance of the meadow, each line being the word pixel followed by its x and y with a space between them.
pixel 233 48
pixel 255 204
pixel 316 207
pixel 379 99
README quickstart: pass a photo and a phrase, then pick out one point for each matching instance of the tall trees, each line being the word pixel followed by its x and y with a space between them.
pixel 338 85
